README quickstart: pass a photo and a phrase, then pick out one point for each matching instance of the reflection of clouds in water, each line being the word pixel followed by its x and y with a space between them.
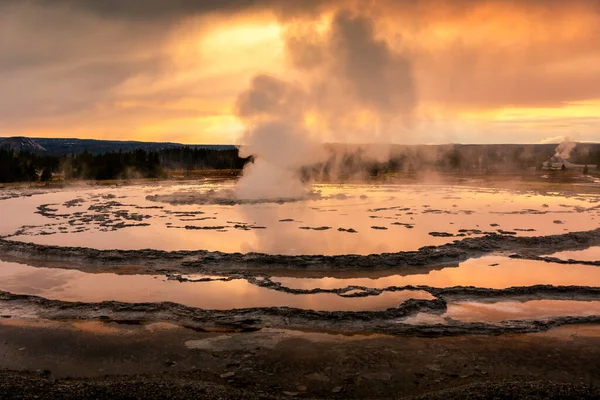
pixel 344 208
pixel 589 254
pixel 39 280
pixel 474 272
pixel 513 310
pixel 86 287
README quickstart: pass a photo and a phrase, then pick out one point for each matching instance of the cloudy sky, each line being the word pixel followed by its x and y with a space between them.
pixel 403 71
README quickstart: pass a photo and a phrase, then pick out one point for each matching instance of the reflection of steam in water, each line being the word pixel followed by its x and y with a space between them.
pixel 123 218
pixel 292 239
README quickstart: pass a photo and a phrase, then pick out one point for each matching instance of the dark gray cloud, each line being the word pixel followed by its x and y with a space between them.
pixel 378 77
pixel 270 97
pixel 177 9
pixel 140 9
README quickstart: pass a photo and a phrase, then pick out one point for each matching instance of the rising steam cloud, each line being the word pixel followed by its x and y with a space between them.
pixel 353 86
pixel 277 137
pixel 564 149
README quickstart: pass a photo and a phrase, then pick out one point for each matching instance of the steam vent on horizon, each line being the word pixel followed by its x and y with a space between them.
pixel 312 199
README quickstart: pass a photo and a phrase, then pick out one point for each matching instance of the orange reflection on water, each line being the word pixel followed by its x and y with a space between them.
pixel 474 272
pixel 71 285
pixel 514 310
pixel 94 327
pixel 425 208
pixel 589 254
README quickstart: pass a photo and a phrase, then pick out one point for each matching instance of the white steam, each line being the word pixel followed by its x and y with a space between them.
pixel 353 86
pixel 564 149
pixel 277 138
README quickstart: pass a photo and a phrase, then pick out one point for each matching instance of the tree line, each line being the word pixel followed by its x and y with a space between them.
pixel 344 162
pixel 25 166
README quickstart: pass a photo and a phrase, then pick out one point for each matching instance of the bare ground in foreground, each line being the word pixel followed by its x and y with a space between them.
pixel 61 360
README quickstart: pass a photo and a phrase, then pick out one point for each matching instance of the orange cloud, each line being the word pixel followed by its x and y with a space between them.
pixel 505 70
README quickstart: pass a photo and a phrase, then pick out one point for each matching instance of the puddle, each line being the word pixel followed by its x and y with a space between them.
pixel 508 310
pixel 505 272
pixel 425 319
pixel 514 310
pixel 572 332
pixel 270 338
pixel 123 218
pixel 94 327
pixel 71 285
pixel 589 254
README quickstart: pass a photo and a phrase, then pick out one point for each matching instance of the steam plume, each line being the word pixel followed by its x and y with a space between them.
pixel 277 137
pixel 564 149
pixel 354 87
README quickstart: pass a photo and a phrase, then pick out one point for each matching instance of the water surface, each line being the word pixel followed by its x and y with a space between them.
pixel 589 254
pixel 507 310
pixel 71 285
pixel 385 218
pixel 495 272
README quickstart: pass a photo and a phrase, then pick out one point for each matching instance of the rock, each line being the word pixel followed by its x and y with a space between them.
pixel 380 376
pixel 302 388
pixel 227 375
pixel 433 367
pixel 291 394
pixel 440 234
pixel 336 389
pixel 43 372
pixel 315 376
pixel 320 228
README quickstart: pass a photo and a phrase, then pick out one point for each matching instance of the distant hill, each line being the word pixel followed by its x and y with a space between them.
pixel 21 144
pixel 75 146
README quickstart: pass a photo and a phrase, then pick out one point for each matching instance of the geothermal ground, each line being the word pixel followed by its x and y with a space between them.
pixel 353 291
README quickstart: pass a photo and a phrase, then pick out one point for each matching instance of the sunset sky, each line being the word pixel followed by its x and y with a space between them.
pixel 438 71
